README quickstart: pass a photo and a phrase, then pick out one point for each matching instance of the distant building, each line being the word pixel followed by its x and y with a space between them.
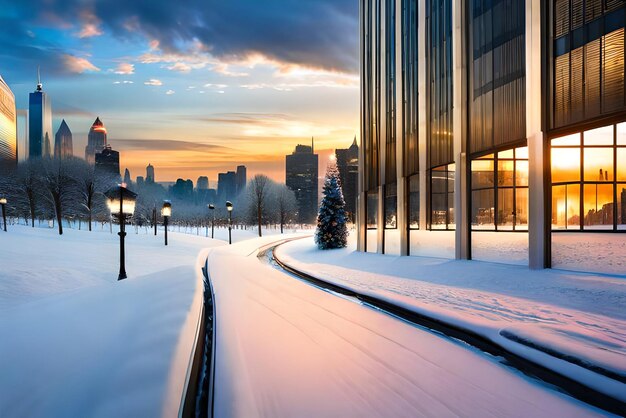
pixel 127 178
pixel 226 186
pixel 108 161
pixel 140 181
pixel 240 179
pixel 348 165
pixel 301 177
pixel 63 147
pixel 202 183
pixel 182 189
pixel 8 128
pixel 150 174
pixel 39 123
pixel 96 140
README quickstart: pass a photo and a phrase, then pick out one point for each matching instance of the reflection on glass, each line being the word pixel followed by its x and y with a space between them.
pixel 391 206
pixel 600 136
pixel 372 210
pixel 483 209
pixel 565 164
pixel 521 153
pixel 573 139
pixel 521 208
pixel 621 164
pixel 506 154
pixel 506 211
pixel 505 172
pixel 414 202
pixel 442 197
pixel 621 134
pixel 598 206
pixel 482 173
pixel 598 164
pixel 565 206
pixel 521 173
pixel 621 211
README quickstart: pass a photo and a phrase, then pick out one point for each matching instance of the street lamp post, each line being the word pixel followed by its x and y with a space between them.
pixel 3 203
pixel 229 207
pixel 212 209
pixel 154 220
pixel 121 202
pixel 166 212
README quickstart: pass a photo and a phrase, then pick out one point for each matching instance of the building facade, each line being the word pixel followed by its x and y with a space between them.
pixel 240 179
pixel 39 124
pixel 150 173
pixel 493 130
pixel 96 141
pixel 63 147
pixel 302 178
pixel 226 186
pixel 348 165
pixel 108 161
pixel 8 128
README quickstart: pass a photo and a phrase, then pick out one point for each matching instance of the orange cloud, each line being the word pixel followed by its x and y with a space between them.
pixel 78 64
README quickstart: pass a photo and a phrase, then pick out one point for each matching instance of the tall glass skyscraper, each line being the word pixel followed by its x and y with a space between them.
pixel 8 128
pixel 63 147
pixel 494 130
pixel 301 177
pixel 39 124
pixel 96 141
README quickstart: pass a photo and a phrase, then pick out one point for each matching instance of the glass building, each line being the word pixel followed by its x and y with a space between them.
pixel 301 176
pixel 494 130
pixel 8 128
pixel 40 134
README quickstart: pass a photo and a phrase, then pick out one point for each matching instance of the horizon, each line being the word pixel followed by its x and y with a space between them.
pixel 194 102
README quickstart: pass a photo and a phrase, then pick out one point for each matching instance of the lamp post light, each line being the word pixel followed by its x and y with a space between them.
pixel 212 209
pixel 3 203
pixel 121 202
pixel 229 208
pixel 166 212
pixel 154 219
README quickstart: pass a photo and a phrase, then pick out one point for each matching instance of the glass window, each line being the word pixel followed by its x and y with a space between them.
pixel 566 206
pixel 521 173
pixel 442 197
pixel 598 206
pixel 573 139
pixel 482 173
pixel 621 164
pixel 621 211
pixel 483 209
pixel 600 136
pixel 506 209
pixel 414 202
pixel 372 210
pixel 391 206
pixel 505 172
pixel 521 153
pixel 506 154
pixel 565 164
pixel 521 208
pixel 598 164
pixel 621 134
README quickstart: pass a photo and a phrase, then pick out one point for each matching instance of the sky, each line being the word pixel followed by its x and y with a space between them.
pixel 194 87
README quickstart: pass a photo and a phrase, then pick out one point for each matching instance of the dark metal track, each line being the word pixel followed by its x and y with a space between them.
pixel 560 382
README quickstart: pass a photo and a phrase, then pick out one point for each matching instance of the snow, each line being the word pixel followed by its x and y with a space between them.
pixel 575 314
pixel 432 243
pixel 601 252
pixel 76 342
pixel 286 348
pixel 500 247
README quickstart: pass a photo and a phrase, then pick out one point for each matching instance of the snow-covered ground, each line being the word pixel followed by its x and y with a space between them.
pixel 76 342
pixel 287 349
pixel 575 314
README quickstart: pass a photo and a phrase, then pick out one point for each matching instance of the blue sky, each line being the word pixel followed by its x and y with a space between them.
pixel 194 87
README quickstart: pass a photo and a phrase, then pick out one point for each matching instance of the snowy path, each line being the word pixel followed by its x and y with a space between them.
pixel 582 316
pixel 287 349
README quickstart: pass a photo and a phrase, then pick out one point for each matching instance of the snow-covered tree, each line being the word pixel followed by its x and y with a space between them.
pixel 284 204
pixel 331 229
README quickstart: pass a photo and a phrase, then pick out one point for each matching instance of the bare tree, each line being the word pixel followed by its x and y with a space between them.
pixel 58 187
pixel 284 202
pixel 258 191
pixel 25 187
pixel 90 186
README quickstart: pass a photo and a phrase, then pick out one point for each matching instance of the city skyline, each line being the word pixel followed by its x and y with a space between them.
pixel 198 105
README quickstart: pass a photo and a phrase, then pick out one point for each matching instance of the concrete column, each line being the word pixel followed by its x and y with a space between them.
pixel 459 123
pixel 361 218
pixel 382 123
pixel 538 235
pixel 422 112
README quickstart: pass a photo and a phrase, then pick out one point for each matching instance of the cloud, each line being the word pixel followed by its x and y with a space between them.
pixel 125 68
pixel 90 25
pixel 170 92
pixel 153 82
pixel 78 64
pixel 123 82
pixel 169 145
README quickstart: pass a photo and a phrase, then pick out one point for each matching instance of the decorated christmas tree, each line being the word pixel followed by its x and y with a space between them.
pixel 331 220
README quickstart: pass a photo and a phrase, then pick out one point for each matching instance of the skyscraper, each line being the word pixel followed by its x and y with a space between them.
pixel 226 186
pixel 150 174
pixel 127 178
pixel 39 122
pixel 96 140
pixel 240 179
pixel 202 183
pixel 301 177
pixel 108 161
pixel 63 147
pixel 8 128
pixel 348 166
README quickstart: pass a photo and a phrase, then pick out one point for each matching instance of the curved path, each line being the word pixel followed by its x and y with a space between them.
pixel 287 349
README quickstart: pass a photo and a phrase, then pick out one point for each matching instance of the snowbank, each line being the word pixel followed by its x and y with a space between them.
pixel 76 342
pixel 536 314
